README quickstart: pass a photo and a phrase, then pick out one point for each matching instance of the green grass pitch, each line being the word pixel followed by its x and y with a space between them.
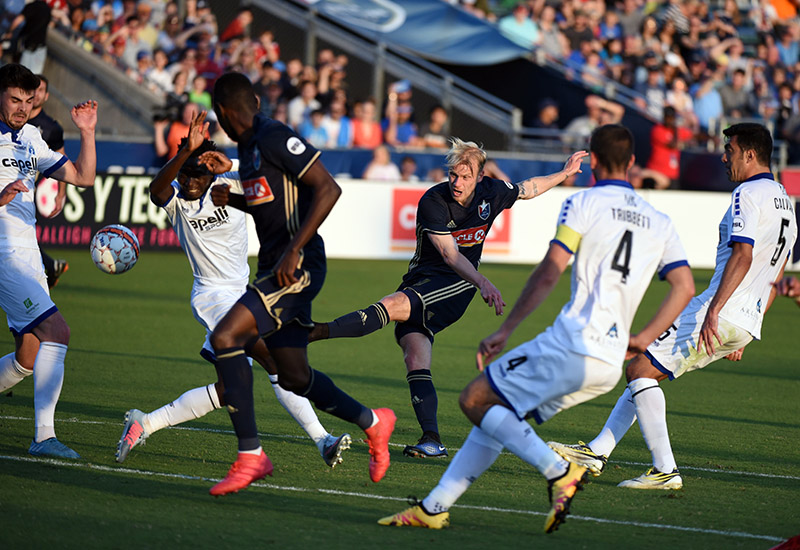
pixel 734 429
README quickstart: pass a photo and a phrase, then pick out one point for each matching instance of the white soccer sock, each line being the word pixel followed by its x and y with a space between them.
pixel 11 372
pixel 48 377
pixel 519 437
pixel 619 422
pixel 651 410
pixel 477 453
pixel 193 404
pixel 301 410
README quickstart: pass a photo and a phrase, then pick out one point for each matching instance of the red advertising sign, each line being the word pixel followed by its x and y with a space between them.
pixel 404 217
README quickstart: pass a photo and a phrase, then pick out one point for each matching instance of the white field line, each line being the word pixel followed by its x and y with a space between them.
pixel 452 449
pixel 272 486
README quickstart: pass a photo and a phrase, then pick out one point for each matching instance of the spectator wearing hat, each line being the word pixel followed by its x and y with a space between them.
pixel 519 27
pixel 653 92
pixel 398 129
pixel 546 116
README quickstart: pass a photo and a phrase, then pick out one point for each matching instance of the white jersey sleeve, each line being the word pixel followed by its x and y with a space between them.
pixel 23 156
pixel 761 214
pixel 620 241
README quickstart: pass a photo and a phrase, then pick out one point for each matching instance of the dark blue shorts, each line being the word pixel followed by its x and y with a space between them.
pixel 437 301
pixel 283 314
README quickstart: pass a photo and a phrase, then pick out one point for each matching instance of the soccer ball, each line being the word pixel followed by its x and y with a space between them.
pixel 114 249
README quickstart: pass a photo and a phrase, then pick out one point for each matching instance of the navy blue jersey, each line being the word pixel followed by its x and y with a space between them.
pixel 51 130
pixel 271 164
pixel 439 213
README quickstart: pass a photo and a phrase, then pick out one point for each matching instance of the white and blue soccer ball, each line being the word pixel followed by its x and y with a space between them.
pixel 115 249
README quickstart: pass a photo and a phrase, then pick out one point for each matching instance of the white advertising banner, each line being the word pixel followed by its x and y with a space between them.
pixel 376 220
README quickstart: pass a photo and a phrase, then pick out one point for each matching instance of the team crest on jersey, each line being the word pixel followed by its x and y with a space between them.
pixel 31 150
pixel 256 159
pixel 295 146
pixel 257 191
pixel 484 208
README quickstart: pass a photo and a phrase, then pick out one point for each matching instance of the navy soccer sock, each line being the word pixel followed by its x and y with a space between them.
pixel 237 375
pixel 327 397
pixel 359 323
pixel 424 401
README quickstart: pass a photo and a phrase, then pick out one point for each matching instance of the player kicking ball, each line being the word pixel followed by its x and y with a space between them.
pixel 756 236
pixel 215 242
pixel 619 241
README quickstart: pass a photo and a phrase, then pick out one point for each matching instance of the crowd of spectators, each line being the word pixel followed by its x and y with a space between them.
pixel 737 61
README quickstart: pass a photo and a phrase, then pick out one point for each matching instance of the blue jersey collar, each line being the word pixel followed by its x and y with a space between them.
pixel 621 183
pixel 761 176
pixel 5 128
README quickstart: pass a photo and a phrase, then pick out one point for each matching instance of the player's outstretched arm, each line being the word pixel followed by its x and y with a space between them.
pixel 735 271
pixel 533 187
pixel 325 194
pixel 448 248
pixel 81 173
pixel 538 287
pixel 161 186
pixel 681 291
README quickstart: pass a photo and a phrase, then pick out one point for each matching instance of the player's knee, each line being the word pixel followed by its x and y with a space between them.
pixel 640 367
pixel 293 382
pixel 221 339
pixel 398 306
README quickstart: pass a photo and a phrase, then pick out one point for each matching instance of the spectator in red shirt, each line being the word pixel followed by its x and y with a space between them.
pixel 666 141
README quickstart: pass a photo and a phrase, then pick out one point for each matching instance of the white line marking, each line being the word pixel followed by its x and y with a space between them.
pixel 102 468
pixel 452 449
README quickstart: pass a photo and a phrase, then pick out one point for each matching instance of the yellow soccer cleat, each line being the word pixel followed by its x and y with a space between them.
pixel 417 517
pixel 561 491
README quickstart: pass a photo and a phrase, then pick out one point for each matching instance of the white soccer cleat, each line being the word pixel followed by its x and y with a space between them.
pixel 653 479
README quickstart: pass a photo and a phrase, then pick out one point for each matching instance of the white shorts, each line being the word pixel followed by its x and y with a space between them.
pixel 675 352
pixel 24 294
pixel 209 306
pixel 541 378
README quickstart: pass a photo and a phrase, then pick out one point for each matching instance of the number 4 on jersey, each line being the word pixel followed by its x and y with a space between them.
pixel 622 257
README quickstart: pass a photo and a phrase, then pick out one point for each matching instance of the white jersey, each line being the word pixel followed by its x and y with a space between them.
pixel 213 238
pixel 619 241
pixel 23 155
pixel 760 214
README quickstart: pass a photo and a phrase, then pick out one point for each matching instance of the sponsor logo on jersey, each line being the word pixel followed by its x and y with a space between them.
pixel 471 236
pixel 738 224
pixel 758 305
pixel 29 167
pixel 484 209
pixel 219 217
pixel 451 224
pixel 295 146
pixel 257 191
pixel 257 159
pixel 612 332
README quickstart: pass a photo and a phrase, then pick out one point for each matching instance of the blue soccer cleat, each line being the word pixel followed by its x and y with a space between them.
pixel 426 447
pixel 52 447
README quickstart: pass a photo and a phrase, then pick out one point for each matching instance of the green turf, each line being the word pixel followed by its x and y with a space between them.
pixel 135 344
